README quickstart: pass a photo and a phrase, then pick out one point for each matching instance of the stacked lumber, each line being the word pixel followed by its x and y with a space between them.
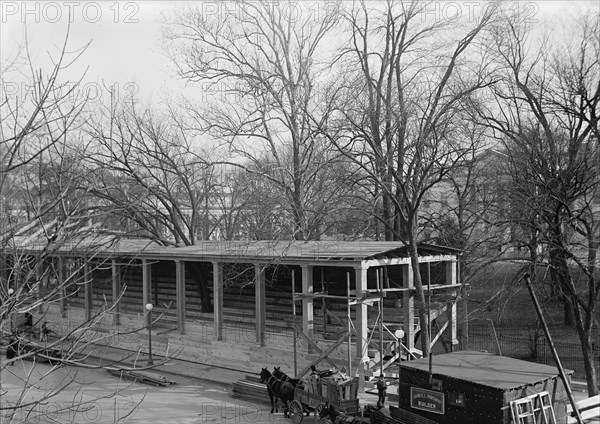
pixel 142 376
pixel 251 390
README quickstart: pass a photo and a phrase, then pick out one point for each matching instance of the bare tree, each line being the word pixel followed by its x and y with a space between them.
pixel 42 216
pixel 263 66
pixel 547 113
pixel 148 176
pixel 36 113
pixel 401 110
pixel 467 211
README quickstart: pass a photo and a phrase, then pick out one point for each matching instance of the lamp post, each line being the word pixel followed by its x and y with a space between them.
pixel 149 309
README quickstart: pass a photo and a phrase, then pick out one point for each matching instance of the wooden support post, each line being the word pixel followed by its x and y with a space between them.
pixel 146 288
pixel 116 291
pixel 218 298
pixel 452 278
pixel 87 278
pixel 362 330
pixel 307 303
pixel 381 311
pixel 62 282
pixel 294 323
pixel 261 304
pixel 180 295
pixel 408 307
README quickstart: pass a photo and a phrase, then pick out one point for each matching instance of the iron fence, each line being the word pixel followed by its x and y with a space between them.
pixel 533 349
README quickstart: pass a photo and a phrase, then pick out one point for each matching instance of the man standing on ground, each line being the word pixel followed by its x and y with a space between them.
pixel 381 391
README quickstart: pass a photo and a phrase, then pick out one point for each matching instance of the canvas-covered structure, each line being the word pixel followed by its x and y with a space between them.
pixel 476 387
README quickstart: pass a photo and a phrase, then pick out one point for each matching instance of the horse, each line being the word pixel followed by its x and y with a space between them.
pixel 277 389
pixel 280 375
pixel 296 382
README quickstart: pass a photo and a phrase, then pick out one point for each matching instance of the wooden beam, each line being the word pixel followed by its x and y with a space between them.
pixel 442 287
pixel 370 263
pixel 180 295
pixel 307 303
pixel 362 329
pixel 319 295
pixel 218 299
pixel 451 273
pixel 313 345
pixel 452 316
pixel 260 303
pixel 116 291
pixel 87 276
pixel 408 307
pixel 439 334
pixel 325 355
pixel 391 290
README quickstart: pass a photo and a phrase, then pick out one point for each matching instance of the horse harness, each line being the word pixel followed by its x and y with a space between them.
pixel 270 385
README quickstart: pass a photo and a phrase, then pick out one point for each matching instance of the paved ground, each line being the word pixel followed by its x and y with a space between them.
pixel 97 397
pixel 202 393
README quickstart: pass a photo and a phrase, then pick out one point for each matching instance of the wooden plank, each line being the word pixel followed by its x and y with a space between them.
pixel 324 355
pixel 362 330
pixel 439 334
pixel 588 409
pixel 313 344
pixel 408 302
pixel 147 377
pixel 586 403
pixel 307 303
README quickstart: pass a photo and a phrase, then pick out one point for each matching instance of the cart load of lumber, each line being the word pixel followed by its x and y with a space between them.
pixel 332 385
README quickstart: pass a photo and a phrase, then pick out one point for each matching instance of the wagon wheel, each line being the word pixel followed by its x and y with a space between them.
pixel 296 412
pixel 318 410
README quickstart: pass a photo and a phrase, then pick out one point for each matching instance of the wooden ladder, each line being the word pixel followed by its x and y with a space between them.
pixel 534 409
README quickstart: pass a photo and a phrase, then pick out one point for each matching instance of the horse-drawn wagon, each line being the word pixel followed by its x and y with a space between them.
pixel 331 395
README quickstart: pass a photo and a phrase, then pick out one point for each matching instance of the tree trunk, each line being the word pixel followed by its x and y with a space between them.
pixel 561 277
pixel 589 365
pixel 584 323
pixel 420 295
pixel 199 276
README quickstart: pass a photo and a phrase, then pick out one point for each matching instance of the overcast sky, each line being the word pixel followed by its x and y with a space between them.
pixel 125 36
